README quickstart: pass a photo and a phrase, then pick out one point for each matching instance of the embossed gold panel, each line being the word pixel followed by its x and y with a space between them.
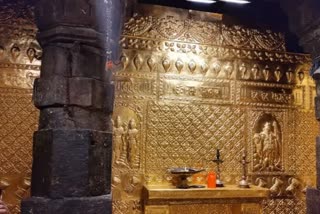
pixel 194 86
pixel 19 66
pixel 184 88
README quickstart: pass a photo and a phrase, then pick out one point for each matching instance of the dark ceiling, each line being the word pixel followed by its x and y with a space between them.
pixel 264 14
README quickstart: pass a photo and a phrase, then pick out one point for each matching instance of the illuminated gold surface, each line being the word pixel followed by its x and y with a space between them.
pixel 190 85
pixel 193 85
pixel 19 66
pixel 230 191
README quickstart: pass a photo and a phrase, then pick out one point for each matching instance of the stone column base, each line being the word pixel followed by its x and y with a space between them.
pixel 313 201
pixel 85 205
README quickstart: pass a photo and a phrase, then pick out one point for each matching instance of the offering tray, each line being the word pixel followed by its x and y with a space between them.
pixel 182 174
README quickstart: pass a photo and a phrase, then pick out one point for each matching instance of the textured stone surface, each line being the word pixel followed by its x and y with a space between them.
pixel 313 201
pixel 72 150
pixel 92 205
pixel 71 163
pixel 317 110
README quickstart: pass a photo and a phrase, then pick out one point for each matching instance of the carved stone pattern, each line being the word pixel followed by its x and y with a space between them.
pixel 285 206
pixel 186 135
pixel 184 30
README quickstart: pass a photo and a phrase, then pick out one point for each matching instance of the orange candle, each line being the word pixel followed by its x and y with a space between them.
pixel 211 180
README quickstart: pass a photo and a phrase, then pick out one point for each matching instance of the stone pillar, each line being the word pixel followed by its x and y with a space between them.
pixel 71 170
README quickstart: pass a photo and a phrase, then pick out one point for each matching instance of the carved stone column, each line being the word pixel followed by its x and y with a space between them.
pixel 72 149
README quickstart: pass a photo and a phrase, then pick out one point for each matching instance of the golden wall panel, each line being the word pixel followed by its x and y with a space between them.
pixel 285 206
pixel 201 208
pixel 237 90
pixel 188 135
pixel 19 65
pixel 180 94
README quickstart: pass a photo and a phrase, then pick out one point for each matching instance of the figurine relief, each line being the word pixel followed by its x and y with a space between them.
pixel 118 141
pixel 244 71
pixel 276 189
pixel 125 143
pixel 293 187
pixel 133 144
pixel 267 148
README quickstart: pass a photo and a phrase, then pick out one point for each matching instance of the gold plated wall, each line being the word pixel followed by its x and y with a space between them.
pixel 19 65
pixel 188 86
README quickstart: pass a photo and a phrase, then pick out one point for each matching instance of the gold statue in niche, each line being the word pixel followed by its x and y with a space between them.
pixel 267 146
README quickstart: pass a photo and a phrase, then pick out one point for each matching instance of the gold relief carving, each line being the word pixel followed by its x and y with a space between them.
pixel 127 171
pixel 171 144
pixel 138 25
pixel 285 206
pixel 236 36
pixel 251 209
pixel 205 31
pixel 126 143
pixel 270 40
pixel 192 66
pixel 15 52
pixel 260 94
pixel 157 210
pixel 174 29
pixel 294 185
pixel 278 74
pixel 172 87
pixel 215 69
pixel 151 64
pixel 281 185
pixel 277 186
pixel 289 75
pixel 179 65
pixel 267 145
pixel 17 130
pixel 305 133
pixel 119 144
pixel 126 207
pixel 169 27
pixel 137 61
pixel 255 71
pixel 269 156
pixel 166 64
pixel 124 61
pixel 133 145
pixel 129 85
pixel 211 51
pixel 260 182
pixel 202 208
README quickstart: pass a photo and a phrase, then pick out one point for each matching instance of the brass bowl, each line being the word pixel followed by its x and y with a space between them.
pixel 183 174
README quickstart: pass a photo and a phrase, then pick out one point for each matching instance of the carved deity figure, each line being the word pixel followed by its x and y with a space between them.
pixel 125 143
pixel 118 139
pixel 123 160
pixel 133 144
pixel 267 154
